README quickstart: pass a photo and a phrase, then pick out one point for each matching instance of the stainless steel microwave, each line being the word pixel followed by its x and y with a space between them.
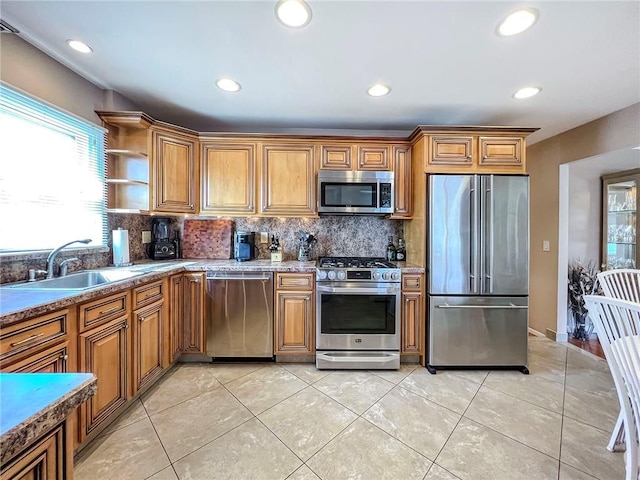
pixel 342 192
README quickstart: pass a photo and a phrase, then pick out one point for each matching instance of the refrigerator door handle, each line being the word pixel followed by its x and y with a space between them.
pixel 511 306
pixel 488 246
pixel 473 220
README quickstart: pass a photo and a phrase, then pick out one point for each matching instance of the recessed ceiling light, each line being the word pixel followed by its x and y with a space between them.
pixel 228 85
pixel 527 92
pixel 378 90
pixel 79 46
pixel 518 22
pixel 293 13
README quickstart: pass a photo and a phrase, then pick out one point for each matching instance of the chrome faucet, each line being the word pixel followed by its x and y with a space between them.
pixel 64 265
pixel 52 256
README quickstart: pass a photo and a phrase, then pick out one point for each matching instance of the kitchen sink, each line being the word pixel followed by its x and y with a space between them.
pixel 79 281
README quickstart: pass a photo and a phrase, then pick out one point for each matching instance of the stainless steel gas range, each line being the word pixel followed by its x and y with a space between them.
pixel 357 313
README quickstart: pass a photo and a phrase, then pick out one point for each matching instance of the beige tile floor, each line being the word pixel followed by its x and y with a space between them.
pixel 291 421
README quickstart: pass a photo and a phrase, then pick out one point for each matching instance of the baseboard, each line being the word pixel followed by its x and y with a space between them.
pixel 535 333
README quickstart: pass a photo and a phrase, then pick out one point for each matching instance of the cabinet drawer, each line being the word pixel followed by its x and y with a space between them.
pixel 51 360
pixel 412 282
pixel 294 281
pixel 100 311
pixel 35 333
pixel 148 294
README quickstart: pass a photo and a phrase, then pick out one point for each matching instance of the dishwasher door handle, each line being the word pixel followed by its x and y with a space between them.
pixel 265 277
pixel 511 306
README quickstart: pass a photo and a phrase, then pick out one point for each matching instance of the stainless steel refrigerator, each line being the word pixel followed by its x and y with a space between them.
pixel 478 271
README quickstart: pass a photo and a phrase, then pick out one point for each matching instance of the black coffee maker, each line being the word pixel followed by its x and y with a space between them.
pixel 162 248
pixel 244 246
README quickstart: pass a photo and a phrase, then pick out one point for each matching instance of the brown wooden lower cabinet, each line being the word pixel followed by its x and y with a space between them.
pixel 192 331
pixel 48 459
pixel 411 323
pixel 148 340
pixel 294 318
pixel 176 314
pixel 412 331
pixel 103 352
pixel 22 342
pixel 51 360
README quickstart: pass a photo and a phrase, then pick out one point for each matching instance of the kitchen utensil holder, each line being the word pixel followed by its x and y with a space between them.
pixel 304 252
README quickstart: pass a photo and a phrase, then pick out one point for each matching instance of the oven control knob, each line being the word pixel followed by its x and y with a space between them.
pixel 332 275
pixel 385 276
pixel 322 274
pixel 341 275
pixel 376 275
pixel 395 276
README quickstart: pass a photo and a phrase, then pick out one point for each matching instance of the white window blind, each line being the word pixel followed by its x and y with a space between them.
pixel 52 171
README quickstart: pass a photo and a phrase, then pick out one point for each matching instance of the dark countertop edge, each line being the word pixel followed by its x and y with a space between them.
pixel 181 265
pixel 30 429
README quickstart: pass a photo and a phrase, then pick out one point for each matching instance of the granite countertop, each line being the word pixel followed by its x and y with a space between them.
pixel 33 403
pixel 17 305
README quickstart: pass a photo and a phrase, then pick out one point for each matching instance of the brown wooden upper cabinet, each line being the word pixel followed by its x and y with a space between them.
pixel 336 157
pixel 348 156
pixel 475 153
pixel 175 171
pixel 287 186
pixel 472 149
pixel 151 166
pixel 373 157
pixel 403 207
pixel 228 180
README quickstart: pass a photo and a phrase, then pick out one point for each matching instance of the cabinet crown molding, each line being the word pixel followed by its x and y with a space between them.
pixel 422 130
pixel 141 119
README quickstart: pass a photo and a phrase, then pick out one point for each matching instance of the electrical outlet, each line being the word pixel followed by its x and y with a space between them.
pixel 146 236
pixel 545 246
pixel 264 237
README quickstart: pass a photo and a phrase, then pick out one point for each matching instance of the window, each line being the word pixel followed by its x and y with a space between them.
pixel 52 176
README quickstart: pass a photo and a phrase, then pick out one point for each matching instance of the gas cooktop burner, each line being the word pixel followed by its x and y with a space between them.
pixel 356 269
pixel 354 262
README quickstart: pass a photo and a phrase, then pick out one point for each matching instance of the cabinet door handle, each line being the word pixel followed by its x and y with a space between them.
pixel 27 340
pixel 64 358
pixel 110 310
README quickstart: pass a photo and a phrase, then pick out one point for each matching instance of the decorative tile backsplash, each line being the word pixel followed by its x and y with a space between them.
pixel 337 235
pixel 207 238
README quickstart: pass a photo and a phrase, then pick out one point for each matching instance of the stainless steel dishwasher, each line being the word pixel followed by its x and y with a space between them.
pixel 240 315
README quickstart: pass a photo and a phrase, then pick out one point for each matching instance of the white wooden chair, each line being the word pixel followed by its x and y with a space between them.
pixel 618 324
pixel 624 284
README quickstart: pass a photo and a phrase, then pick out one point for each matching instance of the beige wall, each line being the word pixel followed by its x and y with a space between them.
pixel 613 132
pixel 24 66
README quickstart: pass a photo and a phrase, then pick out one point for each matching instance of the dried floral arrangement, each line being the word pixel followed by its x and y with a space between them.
pixel 582 281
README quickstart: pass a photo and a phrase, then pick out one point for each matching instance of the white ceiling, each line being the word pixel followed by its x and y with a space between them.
pixel 443 60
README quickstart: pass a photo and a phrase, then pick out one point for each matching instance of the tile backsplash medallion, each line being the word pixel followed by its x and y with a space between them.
pixel 337 236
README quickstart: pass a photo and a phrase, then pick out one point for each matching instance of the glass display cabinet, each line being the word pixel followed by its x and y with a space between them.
pixel 619 220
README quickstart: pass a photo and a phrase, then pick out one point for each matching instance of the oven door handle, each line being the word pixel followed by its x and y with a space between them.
pixel 354 290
